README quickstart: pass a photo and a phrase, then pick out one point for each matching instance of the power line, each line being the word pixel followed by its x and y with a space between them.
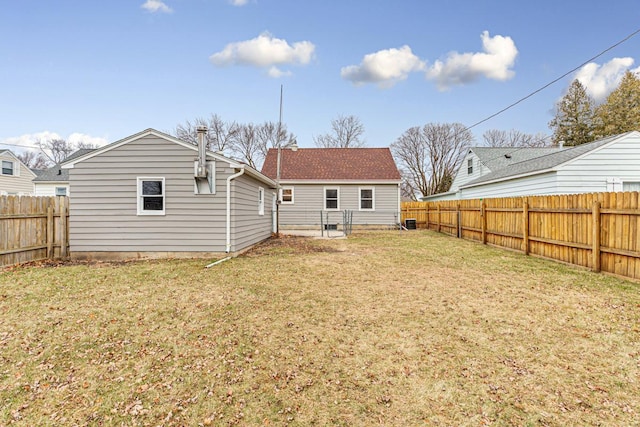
pixel 554 81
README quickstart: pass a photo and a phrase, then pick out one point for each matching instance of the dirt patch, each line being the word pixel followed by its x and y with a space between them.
pixel 289 244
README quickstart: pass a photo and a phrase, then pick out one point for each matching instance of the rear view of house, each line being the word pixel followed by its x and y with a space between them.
pixel 317 185
pixel 152 194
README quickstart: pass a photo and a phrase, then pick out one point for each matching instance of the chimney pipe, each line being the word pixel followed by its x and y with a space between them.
pixel 201 171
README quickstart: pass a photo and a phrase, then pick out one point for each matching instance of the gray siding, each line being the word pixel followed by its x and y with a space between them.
pixel 309 203
pixel 248 226
pixel 103 202
pixel 20 183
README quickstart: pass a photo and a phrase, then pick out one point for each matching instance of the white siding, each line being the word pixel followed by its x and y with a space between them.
pixel 590 173
pixel 103 202
pixel 538 184
pixel 309 203
pixel 462 177
pixel 48 189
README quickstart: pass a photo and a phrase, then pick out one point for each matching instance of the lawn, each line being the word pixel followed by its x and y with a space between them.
pixel 385 328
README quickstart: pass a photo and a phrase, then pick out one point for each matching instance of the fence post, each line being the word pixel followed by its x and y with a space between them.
pixel 50 226
pixel 64 226
pixel 438 226
pixel 525 227
pixel 595 252
pixel 459 221
pixel 426 208
pixel 483 215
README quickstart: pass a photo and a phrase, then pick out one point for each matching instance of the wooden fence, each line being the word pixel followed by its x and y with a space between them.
pixel 33 228
pixel 600 231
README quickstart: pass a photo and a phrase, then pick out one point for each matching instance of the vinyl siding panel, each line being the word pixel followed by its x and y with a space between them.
pixel 248 226
pixel 537 184
pixel 309 203
pixel 20 182
pixel 46 189
pixel 103 202
pixel 589 173
pixel 463 177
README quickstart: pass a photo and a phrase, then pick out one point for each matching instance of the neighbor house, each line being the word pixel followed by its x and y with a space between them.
pixel 330 181
pixel 609 164
pixel 55 180
pixel 15 176
pixel 151 194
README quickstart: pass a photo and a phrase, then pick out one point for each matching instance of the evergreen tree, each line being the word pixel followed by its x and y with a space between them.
pixel 574 120
pixel 621 112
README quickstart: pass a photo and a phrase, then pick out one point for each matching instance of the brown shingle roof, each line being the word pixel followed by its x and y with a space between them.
pixel 357 164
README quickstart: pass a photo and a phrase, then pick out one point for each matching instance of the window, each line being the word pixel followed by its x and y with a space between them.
pixel 151 196
pixel 260 201
pixel 286 195
pixel 61 191
pixel 469 166
pixel 630 186
pixel 7 167
pixel 331 196
pixel 367 199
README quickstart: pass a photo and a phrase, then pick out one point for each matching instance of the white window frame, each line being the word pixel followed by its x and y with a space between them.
pixel 625 183
pixel 13 168
pixel 469 166
pixel 324 196
pixel 373 199
pixel 64 190
pixel 282 201
pixel 260 201
pixel 141 210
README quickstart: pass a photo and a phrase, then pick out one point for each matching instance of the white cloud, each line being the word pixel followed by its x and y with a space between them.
pixel 275 73
pixel 600 80
pixel 265 51
pixel 76 138
pixel 238 2
pixel 460 68
pixel 154 6
pixel 385 67
pixel 19 144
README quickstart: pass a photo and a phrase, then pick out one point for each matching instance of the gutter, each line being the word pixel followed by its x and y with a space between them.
pixel 229 179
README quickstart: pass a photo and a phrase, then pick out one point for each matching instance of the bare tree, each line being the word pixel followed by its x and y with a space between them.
pixel 514 138
pixel 431 155
pixel 56 149
pixel 34 160
pixel 220 137
pixel 246 145
pixel 271 134
pixel 346 132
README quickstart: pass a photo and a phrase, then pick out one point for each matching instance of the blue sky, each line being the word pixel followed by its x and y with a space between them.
pixel 103 70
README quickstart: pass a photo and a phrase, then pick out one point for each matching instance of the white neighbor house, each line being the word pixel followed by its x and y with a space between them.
pixel 609 164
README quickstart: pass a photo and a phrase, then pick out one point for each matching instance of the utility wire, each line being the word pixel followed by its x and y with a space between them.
pixel 554 81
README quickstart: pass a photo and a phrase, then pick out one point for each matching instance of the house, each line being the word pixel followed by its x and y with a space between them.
pixel 55 180
pixel 330 181
pixel 15 176
pixel 151 195
pixel 609 164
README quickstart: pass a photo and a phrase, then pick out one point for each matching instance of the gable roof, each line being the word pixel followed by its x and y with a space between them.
pixel 496 158
pixel 332 164
pixel 56 173
pixel 23 167
pixel 69 163
pixel 545 163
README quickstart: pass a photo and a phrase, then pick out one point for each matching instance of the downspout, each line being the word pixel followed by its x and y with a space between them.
pixel 229 179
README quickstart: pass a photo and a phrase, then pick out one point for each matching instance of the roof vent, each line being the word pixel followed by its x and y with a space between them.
pixel 294 147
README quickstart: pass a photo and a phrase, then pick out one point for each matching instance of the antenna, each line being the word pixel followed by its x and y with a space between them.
pixel 278 167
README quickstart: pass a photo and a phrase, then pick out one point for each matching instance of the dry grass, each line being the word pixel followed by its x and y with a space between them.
pixel 381 329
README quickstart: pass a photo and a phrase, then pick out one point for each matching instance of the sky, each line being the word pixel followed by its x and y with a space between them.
pixel 99 71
